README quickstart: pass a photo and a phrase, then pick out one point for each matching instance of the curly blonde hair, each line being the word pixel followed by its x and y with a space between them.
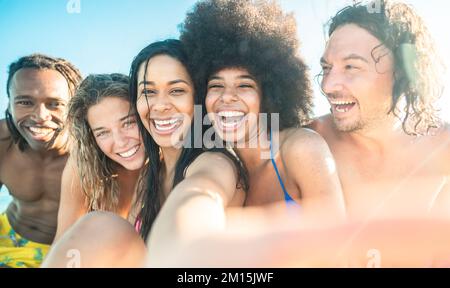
pixel 418 67
pixel 95 169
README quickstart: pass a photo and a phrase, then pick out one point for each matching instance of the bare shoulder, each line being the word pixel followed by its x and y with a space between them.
pixel 322 124
pixel 211 162
pixel 301 141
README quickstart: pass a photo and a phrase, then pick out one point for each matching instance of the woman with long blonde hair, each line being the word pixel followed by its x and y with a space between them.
pixel 107 154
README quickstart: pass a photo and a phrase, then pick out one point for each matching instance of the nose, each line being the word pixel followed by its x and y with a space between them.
pixel 229 95
pixel 120 138
pixel 41 113
pixel 161 104
pixel 332 83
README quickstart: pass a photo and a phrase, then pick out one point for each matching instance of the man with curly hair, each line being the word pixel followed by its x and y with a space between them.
pixel 33 153
pixel 381 76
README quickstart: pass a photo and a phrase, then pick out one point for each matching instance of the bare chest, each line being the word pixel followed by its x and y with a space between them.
pixel 403 186
pixel 29 180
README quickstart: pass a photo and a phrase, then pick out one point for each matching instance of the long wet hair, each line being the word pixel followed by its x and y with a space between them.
pixel 152 197
pixel 418 68
pixel 39 62
pixel 97 171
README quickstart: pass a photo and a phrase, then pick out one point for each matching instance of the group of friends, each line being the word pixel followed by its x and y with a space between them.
pixel 116 167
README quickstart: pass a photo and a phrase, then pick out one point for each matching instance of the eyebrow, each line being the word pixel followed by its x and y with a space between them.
pixel 349 57
pixel 356 57
pixel 170 82
pixel 27 97
pixel 126 117
pixel 121 119
pixel 246 76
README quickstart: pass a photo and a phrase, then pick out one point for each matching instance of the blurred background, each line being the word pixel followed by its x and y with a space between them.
pixel 103 36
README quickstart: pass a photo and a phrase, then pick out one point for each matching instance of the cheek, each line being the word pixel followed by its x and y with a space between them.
pixel 60 113
pixel 253 102
pixel 143 109
pixel 186 105
pixel 104 145
pixel 209 103
pixel 134 134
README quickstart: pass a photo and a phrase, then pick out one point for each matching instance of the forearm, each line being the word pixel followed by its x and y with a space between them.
pixel 191 212
pixel 390 243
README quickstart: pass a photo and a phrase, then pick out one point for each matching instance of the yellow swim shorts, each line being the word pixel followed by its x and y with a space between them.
pixel 16 251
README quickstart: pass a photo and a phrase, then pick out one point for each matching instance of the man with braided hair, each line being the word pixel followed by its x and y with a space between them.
pixel 33 151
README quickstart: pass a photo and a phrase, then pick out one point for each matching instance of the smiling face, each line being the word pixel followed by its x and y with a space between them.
pixel 233 104
pixel 116 132
pixel 357 78
pixel 165 99
pixel 38 105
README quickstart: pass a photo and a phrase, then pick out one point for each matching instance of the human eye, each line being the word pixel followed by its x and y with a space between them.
pixel 326 69
pixel 351 67
pixel 177 91
pixel 24 103
pixel 246 85
pixel 56 104
pixel 215 86
pixel 101 134
pixel 148 92
pixel 129 123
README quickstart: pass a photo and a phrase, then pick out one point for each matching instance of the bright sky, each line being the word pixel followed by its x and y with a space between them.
pixel 106 34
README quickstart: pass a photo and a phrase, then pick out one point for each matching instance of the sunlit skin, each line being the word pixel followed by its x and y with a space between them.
pixel 353 81
pixel 384 172
pixel 165 99
pixel 195 207
pixel 116 132
pixel 37 103
pixel 233 100
pixel 233 97
pixel 117 135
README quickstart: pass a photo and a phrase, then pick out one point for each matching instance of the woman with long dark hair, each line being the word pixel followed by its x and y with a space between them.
pixel 188 188
pixel 197 184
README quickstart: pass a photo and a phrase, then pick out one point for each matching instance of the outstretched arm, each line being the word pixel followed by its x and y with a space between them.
pixel 194 209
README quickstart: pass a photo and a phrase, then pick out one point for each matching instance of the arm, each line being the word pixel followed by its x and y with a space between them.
pixel 441 204
pixel 5 141
pixel 383 243
pixel 72 203
pixel 310 163
pixel 194 209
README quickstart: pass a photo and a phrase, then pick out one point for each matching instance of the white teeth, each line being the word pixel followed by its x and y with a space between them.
pixel 230 125
pixel 129 153
pixel 166 125
pixel 342 102
pixel 167 122
pixel 43 131
pixel 231 119
pixel 230 114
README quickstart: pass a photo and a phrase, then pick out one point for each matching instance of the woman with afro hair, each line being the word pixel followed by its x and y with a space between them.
pixel 246 65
